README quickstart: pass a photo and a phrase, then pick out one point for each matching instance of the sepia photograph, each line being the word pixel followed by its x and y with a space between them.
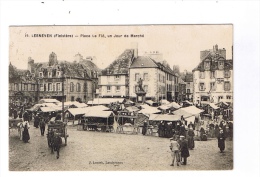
pixel 121 98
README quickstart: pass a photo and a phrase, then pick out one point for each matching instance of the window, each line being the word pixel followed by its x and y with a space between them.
pixel 220 98
pixel 49 86
pixel 146 88
pixel 212 86
pixel 72 98
pixel 202 75
pixel 54 87
pixel 41 87
pixel 44 87
pixel 207 65
pixel 108 88
pixel 226 74
pixel 40 74
pixel 49 74
pixel 145 76
pixel 137 76
pixel 212 74
pixel 188 90
pixel 16 87
pixel 117 88
pixel 226 86
pixel 78 87
pixel 71 87
pixel 201 86
pixel 163 79
pixel 58 74
pixel 58 87
pixel 32 87
pixel 117 77
pixel 85 87
pixel 221 64
pixel 25 87
pixel 228 97
pixel 188 84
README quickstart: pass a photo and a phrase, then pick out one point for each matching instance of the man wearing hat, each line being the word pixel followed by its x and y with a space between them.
pixel 184 150
pixel 221 140
pixel 175 146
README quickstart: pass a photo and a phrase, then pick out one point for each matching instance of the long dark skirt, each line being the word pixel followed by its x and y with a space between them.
pixel 221 144
pixel 26 136
pixel 144 130
pixel 191 143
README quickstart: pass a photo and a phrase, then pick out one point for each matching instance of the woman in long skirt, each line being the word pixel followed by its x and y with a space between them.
pixel 26 136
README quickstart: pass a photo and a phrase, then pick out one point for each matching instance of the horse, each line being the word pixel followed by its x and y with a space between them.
pixel 54 142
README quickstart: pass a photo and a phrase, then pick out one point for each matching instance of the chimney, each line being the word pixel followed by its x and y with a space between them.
pixel 134 46
pixel 216 47
pixel 78 57
pixel 30 64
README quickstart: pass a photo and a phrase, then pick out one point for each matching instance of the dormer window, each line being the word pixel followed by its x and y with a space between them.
pixel 49 74
pixel 40 74
pixel 58 74
pixel 221 64
pixel 207 65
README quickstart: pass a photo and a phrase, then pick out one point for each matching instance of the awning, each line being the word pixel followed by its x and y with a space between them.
pixel 99 114
pixel 186 101
pixel 188 111
pixel 149 102
pixel 148 109
pixel 132 109
pixel 163 102
pixel 213 106
pixel 47 109
pixel 106 101
pixel 49 101
pixel 174 105
pixel 164 117
pixel 82 111
pixel 77 111
pixel 164 107
pixel 190 119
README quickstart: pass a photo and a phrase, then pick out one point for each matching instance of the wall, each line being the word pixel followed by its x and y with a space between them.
pixel 113 82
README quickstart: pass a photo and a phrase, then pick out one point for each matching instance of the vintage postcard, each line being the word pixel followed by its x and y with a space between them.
pixel 121 98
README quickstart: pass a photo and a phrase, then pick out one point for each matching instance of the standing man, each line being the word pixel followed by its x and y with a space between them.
pixel 42 126
pixel 145 126
pixel 184 150
pixel 175 151
pixel 221 141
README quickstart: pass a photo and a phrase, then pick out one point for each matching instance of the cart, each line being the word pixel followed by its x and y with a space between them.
pixel 59 128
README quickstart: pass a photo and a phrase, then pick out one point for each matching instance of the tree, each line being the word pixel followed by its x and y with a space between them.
pixel 176 69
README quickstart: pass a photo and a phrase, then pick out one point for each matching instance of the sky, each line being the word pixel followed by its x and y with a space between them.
pixel 179 44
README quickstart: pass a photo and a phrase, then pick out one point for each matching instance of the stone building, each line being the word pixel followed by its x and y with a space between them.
pixel 73 81
pixel 120 78
pixel 213 78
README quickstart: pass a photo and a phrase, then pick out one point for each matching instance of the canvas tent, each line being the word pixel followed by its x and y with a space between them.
pixel 164 117
pixel 48 101
pixel 105 101
pixel 148 109
pixel 188 111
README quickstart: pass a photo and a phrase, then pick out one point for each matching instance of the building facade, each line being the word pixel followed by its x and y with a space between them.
pixel 213 78
pixel 61 80
pixel 157 79
pixel 114 80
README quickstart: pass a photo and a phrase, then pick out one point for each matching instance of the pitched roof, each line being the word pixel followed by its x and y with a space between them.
pixel 121 64
pixel 214 57
pixel 143 62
